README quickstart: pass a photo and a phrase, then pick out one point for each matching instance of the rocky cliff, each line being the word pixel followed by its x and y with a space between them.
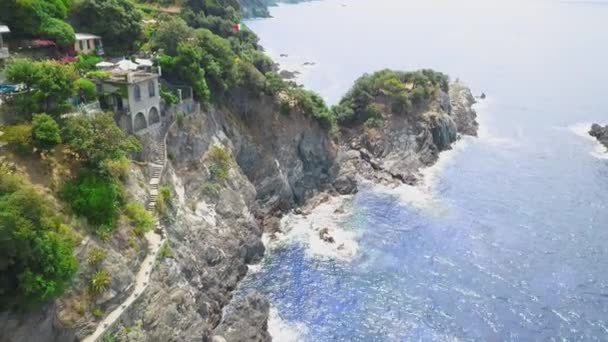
pixel 600 133
pixel 277 161
pixel 232 172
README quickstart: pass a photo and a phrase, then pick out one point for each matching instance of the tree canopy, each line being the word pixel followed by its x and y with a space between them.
pixel 118 22
pixel 98 138
pixel 401 90
pixel 38 17
pixel 36 248
pixel 45 131
pixel 50 84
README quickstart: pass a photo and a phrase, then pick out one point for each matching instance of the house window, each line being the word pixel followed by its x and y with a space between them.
pixel 137 93
pixel 81 45
pixel 151 89
pixel 88 44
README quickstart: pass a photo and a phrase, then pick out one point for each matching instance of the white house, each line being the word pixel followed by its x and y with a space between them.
pixel 135 98
pixel 88 43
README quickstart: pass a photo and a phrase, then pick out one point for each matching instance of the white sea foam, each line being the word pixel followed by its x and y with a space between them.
pixel 423 195
pixel 305 229
pixel 582 130
pixel 284 331
pixel 483 133
pixel 253 269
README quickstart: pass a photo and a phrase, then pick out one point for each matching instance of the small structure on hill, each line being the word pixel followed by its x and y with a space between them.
pixel 135 98
pixel 87 43
pixel 3 48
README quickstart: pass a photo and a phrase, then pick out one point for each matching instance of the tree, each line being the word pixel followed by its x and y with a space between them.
pixel 218 60
pixel 36 248
pixel 95 197
pixel 51 84
pixel 45 131
pixel 59 30
pixel 97 138
pixel 169 33
pixel 38 17
pixel 186 67
pixel 118 22
pixel 86 89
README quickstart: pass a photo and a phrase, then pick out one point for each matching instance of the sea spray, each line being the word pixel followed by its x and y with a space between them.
pixel 284 331
pixel 307 229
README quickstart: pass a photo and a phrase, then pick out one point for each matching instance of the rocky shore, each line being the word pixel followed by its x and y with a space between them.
pixel 600 133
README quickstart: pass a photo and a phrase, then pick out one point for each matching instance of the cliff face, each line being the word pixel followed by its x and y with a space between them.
pixel 600 133
pixel 215 226
pixel 277 162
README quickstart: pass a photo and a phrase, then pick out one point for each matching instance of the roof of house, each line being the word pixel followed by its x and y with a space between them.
pixel 4 29
pixel 120 76
pixel 84 36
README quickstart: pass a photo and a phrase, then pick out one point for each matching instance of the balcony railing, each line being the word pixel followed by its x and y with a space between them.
pixel 4 52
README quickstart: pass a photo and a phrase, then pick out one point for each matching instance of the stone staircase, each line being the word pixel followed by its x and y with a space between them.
pixel 155 240
pixel 156 170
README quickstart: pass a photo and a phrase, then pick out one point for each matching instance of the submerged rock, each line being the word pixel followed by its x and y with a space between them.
pixel 324 235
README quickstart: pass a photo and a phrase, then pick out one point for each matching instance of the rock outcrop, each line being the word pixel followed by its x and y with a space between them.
pixel 600 133
pixel 395 151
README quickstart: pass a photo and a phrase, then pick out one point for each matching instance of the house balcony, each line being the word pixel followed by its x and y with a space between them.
pixel 4 52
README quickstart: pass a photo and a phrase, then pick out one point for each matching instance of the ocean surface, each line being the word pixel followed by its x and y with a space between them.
pixel 507 239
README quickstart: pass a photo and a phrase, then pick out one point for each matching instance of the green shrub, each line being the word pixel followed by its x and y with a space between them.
pixel 18 137
pixel 180 120
pixel 211 189
pixel 58 30
pixel 100 282
pixel 94 197
pixel 109 337
pixel 96 257
pixel 36 248
pixel 403 91
pixel 140 218
pixel 163 200
pixel 274 83
pixel 97 313
pixel 98 138
pixel 168 96
pixel 220 163
pixel 86 89
pixel 165 252
pixel 45 131
pixel 97 74
pixel 117 168
pixel 86 63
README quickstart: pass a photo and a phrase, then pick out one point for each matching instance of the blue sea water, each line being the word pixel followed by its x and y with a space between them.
pixel 517 247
